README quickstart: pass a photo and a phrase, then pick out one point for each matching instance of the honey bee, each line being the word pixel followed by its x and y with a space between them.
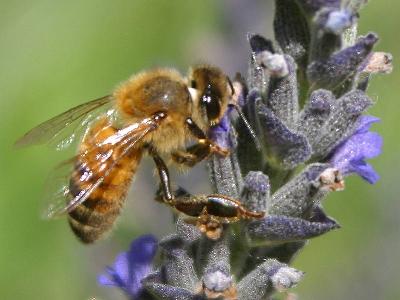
pixel 156 112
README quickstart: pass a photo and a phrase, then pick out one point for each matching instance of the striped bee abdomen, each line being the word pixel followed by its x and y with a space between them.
pixel 97 214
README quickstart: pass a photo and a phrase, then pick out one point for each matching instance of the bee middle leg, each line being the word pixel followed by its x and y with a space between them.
pixel 165 182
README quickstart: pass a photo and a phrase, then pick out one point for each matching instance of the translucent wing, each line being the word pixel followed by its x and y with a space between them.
pixel 63 129
pixel 103 156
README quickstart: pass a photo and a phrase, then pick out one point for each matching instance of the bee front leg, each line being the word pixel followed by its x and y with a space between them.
pixel 200 151
pixel 191 155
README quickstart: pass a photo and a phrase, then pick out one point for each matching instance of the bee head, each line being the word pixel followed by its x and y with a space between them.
pixel 212 93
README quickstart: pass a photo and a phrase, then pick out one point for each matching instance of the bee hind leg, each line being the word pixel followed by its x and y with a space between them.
pixel 209 213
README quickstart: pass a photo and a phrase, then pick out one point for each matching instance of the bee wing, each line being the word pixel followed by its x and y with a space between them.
pixel 116 146
pixel 54 131
pixel 56 194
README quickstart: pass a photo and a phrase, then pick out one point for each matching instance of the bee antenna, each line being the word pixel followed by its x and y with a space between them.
pixel 247 124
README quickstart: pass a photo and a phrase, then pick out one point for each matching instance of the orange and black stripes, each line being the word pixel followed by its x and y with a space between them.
pixel 97 214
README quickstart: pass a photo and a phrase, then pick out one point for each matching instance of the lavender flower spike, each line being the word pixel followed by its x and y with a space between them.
pixel 306 111
pixel 349 157
pixel 131 267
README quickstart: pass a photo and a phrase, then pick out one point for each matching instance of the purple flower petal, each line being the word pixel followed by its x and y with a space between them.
pixel 366 171
pixel 121 266
pixel 288 147
pixel 365 122
pixel 142 250
pixel 219 133
pixel 331 72
pixel 283 228
pixel 349 157
pixel 110 278
pixel 131 267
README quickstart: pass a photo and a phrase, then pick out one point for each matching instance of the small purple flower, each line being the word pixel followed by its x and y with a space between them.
pixel 131 267
pixel 220 132
pixel 349 157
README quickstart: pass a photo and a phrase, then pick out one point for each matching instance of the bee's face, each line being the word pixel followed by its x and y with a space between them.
pixel 213 93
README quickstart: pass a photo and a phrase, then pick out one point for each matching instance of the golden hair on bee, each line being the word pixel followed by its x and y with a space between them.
pixel 155 112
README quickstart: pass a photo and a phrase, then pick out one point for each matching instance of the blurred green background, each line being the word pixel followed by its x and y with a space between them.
pixel 54 55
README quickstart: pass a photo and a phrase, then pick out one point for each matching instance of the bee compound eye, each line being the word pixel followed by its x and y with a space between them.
pixel 211 101
pixel 213 109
